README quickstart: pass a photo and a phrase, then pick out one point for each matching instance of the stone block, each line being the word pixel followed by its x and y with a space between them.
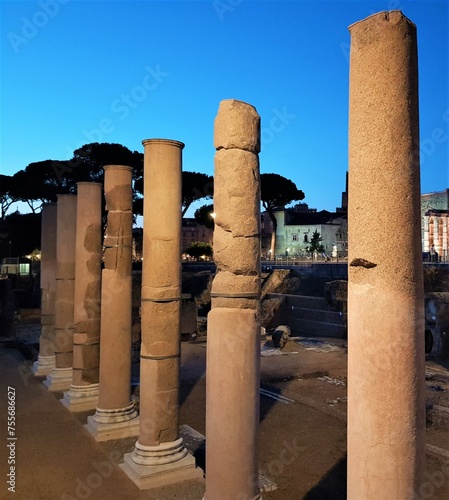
pixel 238 255
pixel 237 125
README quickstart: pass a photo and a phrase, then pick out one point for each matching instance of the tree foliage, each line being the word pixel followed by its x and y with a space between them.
pixel 203 215
pixel 315 243
pixel 195 186
pixel 24 233
pixel 198 249
pixel 7 197
pixel 277 192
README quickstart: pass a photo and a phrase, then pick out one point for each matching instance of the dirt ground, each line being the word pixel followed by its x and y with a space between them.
pixel 302 410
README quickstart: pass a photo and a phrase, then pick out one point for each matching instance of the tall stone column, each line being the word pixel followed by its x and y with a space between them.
pixel 426 245
pixel 83 393
pixel 46 359
pixel 386 405
pixel 233 330
pixel 159 456
pixel 61 376
pixel 116 416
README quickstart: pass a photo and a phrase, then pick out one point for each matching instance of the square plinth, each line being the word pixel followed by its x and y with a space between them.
pixel 146 477
pixel 114 430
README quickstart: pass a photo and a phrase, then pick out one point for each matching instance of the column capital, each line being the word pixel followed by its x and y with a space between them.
pixel 87 183
pixel 168 142
pixel 118 167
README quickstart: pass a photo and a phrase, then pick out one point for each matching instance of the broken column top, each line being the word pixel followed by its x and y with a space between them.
pixel 237 126
pixel 393 17
pixel 164 141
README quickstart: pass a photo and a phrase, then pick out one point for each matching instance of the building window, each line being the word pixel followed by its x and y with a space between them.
pixel 306 239
pixel 294 237
pixel 24 269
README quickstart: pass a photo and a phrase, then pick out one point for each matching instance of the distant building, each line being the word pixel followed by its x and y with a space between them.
pixel 192 231
pixel 296 226
pixel 435 224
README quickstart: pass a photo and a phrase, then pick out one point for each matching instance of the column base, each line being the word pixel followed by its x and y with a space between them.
pixel 81 397
pixel 59 379
pixel 43 366
pixel 155 466
pixel 113 424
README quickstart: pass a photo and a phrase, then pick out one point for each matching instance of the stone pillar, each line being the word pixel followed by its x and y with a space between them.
pixel 83 393
pixel 233 331
pixel 46 359
pixel 61 376
pixel 159 456
pixel 426 246
pixel 116 416
pixel 431 231
pixel 445 234
pixel 436 237
pixel 386 404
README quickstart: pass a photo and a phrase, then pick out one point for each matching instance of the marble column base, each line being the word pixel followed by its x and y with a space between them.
pixel 154 466
pixel 113 424
pixel 44 365
pixel 81 397
pixel 59 379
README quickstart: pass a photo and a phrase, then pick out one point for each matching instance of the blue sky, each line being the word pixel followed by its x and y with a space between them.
pixel 74 72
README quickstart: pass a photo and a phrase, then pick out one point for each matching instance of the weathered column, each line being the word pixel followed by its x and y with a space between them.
pixel 46 359
pixel 159 456
pixel 426 245
pixel 115 416
pixel 386 406
pixel 233 331
pixel 61 376
pixel 83 393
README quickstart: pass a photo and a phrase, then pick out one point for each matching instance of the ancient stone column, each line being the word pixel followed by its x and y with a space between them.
pixel 46 359
pixel 61 376
pixel 159 456
pixel 386 406
pixel 426 246
pixel 83 393
pixel 233 329
pixel 116 416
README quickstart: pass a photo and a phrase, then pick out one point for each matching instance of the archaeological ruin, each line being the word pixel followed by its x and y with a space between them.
pixel 98 320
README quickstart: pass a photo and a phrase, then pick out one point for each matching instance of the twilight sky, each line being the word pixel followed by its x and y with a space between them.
pixel 80 71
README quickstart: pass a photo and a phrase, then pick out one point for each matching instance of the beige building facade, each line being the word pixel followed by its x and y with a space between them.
pixel 435 225
pixel 295 230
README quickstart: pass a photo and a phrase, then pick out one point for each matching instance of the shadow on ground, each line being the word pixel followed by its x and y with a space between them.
pixel 332 486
